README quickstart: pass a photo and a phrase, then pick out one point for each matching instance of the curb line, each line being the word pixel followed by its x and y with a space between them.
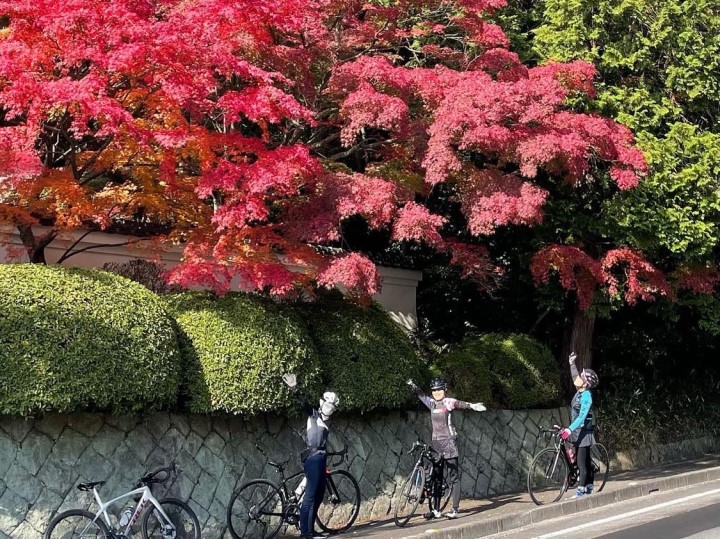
pixel 569 507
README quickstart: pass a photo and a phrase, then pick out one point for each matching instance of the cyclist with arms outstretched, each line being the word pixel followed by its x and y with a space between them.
pixel 444 434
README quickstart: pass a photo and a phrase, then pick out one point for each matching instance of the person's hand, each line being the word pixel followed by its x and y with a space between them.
pixel 572 358
pixel 565 434
pixel 478 407
pixel 290 380
pixel 410 383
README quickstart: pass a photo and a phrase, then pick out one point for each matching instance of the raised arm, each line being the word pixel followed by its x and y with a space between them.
pixel 419 392
pixel 573 368
pixel 291 381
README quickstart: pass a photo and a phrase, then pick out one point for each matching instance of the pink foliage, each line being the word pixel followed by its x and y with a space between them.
pixel 575 269
pixel 475 264
pixel 353 272
pixel 628 269
pixel 491 199
pixel 414 222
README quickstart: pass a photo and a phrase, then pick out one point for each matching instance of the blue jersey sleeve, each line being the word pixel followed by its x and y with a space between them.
pixel 585 404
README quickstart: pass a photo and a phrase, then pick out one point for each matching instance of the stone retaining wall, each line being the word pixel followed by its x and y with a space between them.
pixel 41 461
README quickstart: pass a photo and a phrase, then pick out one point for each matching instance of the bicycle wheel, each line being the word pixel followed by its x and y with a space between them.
pixel 601 465
pixel 341 504
pixel 76 524
pixel 408 496
pixel 182 519
pixel 256 511
pixel 444 497
pixel 548 476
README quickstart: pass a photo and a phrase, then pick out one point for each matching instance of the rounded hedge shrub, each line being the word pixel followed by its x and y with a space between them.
pixel 365 356
pixel 514 371
pixel 73 339
pixel 467 374
pixel 236 349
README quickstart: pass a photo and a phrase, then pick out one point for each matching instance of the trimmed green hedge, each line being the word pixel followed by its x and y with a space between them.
pixel 510 371
pixel 236 350
pixel 365 356
pixel 74 339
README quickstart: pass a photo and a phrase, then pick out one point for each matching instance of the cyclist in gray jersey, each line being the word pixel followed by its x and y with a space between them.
pixel 444 434
pixel 314 456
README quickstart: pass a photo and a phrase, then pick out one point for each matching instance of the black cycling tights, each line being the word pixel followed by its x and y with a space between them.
pixel 453 480
pixel 584 460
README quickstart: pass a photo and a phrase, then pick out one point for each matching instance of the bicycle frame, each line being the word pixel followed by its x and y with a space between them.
pixel 146 499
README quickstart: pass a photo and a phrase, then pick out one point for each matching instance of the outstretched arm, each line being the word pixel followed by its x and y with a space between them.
pixel 462 405
pixel 291 381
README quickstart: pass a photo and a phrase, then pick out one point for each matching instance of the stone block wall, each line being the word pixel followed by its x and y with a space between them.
pixel 41 461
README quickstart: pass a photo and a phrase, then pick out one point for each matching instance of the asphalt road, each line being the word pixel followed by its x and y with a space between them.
pixel 692 512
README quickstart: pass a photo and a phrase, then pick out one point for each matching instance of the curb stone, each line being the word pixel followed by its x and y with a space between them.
pixel 568 507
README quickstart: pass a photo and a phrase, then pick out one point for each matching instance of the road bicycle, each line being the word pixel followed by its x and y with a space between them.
pixel 427 481
pixel 165 519
pixel 259 508
pixel 552 470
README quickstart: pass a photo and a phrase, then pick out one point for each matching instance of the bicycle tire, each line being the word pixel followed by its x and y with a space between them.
pixel 411 491
pixel 150 528
pixel 544 466
pixel 272 498
pixel 601 465
pixel 335 515
pixel 102 528
pixel 447 494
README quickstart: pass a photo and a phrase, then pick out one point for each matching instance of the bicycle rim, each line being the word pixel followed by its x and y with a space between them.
pixel 408 496
pixel 548 477
pixel 183 523
pixel 341 503
pixel 601 466
pixel 255 511
pixel 76 524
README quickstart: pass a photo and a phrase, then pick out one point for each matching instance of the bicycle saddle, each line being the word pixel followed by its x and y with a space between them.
pixel 91 485
pixel 281 464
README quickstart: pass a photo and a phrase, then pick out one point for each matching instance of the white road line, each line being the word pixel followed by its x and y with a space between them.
pixel 566 531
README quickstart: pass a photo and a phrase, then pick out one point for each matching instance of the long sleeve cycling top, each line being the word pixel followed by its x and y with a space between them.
pixel 317 430
pixel 580 410
pixel 441 414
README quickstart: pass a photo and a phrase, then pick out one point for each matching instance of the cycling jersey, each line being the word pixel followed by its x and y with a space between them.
pixel 317 429
pixel 581 418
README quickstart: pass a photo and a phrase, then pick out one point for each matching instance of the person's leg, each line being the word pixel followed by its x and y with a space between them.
pixel 590 479
pixel 582 462
pixel 453 480
pixel 319 494
pixel 315 474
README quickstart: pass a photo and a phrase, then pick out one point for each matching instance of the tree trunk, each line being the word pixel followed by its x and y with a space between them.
pixel 578 338
pixel 35 247
pixel 581 337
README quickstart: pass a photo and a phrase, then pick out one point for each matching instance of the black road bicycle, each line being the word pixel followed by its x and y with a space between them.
pixel 427 481
pixel 259 508
pixel 552 472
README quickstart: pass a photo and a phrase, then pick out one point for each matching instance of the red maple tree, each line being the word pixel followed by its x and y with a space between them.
pixel 251 130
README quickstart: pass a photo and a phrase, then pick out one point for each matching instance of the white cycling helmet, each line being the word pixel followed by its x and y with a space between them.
pixel 329 403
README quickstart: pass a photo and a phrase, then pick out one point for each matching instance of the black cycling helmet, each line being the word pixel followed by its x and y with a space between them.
pixel 590 377
pixel 438 383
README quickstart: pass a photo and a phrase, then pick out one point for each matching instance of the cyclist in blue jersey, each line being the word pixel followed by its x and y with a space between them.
pixel 314 457
pixel 444 434
pixel 581 428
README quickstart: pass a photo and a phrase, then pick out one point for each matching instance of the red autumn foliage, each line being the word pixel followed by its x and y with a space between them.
pixel 252 130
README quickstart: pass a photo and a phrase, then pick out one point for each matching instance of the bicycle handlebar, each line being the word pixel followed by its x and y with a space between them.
pixel 159 476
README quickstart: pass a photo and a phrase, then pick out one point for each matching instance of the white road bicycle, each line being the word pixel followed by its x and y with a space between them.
pixel 164 519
